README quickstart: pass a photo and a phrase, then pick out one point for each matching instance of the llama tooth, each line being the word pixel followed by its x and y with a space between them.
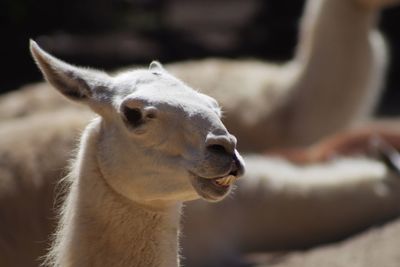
pixel 221 181
pixel 225 181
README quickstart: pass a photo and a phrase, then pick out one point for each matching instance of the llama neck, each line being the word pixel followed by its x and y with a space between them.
pixel 99 227
pixel 340 62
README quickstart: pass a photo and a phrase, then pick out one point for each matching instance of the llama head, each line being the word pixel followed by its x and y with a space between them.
pixel 159 140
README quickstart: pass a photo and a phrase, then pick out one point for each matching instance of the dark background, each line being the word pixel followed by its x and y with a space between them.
pixel 113 33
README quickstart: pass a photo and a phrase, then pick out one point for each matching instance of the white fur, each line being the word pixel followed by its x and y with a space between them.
pixel 259 120
pixel 279 174
pixel 155 144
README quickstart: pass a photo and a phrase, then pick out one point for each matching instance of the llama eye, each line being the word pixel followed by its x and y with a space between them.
pixel 133 116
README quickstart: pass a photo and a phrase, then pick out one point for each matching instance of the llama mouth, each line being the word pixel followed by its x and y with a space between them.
pixel 225 181
pixel 213 189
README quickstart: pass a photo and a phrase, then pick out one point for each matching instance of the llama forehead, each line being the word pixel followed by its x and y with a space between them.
pixel 162 89
pixel 131 80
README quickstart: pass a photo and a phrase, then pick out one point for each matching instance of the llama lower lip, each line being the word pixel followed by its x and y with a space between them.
pixel 212 189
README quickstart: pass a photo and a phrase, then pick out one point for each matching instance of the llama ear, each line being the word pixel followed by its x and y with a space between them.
pixel 78 84
pixel 156 67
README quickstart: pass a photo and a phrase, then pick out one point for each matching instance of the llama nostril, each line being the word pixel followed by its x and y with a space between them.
pixel 234 171
pixel 222 144
pixel 218 149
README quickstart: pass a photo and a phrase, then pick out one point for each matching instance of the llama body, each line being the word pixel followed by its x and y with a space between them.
pixel 155 144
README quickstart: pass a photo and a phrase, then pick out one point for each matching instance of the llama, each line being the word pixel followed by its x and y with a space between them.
pixel 269 105
pixel 219 75
pixel 155 144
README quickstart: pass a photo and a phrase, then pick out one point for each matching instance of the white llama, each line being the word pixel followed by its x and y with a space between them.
pixel 156 143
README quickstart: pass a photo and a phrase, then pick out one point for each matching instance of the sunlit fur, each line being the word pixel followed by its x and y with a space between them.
pixel 38 125
pixel 128 177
